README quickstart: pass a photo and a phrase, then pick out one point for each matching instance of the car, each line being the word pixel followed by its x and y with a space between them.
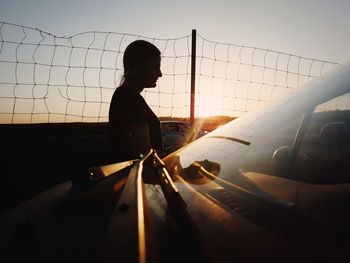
pixel 268 186
pixel 177 134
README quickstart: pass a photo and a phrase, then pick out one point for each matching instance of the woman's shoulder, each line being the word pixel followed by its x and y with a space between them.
pixel 121 91
pixel 123 95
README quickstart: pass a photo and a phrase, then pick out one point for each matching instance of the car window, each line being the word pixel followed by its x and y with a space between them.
pixel 165 127
pixel 183 127
pixel 324 155
pixel 177 127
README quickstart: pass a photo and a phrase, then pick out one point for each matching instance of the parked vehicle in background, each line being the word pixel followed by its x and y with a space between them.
pixel 177 134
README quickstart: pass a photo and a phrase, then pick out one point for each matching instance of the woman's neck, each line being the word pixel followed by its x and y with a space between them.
pixel 133 85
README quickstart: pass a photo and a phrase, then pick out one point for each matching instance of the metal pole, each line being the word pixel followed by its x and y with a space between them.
pixel 193 75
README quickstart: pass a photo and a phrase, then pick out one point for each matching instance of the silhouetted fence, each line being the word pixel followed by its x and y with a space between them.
pixel 48 78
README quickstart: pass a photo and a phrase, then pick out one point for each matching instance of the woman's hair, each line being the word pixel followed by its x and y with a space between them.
pixel 138 54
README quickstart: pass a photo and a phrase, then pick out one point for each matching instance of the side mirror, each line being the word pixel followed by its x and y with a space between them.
pixel 282 161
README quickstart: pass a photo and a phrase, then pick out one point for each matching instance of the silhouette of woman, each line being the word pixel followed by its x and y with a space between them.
pixel 134 128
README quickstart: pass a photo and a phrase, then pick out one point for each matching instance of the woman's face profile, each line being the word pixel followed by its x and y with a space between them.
pixel 150 73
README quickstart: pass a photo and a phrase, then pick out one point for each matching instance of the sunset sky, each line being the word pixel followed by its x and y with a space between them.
pixel 315 29
pixel 311 28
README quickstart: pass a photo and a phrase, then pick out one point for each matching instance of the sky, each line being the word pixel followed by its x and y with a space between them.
pixel 315 29
pixel 311 28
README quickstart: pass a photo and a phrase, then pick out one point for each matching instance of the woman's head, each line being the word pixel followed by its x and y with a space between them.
pixel 141 64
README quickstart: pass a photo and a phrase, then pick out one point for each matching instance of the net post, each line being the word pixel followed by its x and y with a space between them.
pixel 193 75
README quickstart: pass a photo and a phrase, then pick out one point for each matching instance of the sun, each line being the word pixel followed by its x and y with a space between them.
pixel 208 106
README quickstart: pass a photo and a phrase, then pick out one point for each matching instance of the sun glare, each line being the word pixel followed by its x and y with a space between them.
pixel 208 106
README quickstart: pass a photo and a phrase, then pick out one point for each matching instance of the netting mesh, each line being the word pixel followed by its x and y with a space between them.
pixel 237 79
pixel 46 78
